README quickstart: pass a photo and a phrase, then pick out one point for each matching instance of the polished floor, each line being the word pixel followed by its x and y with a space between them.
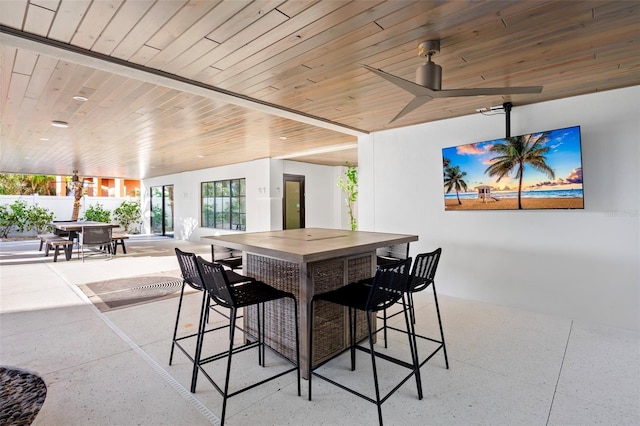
pixel 507 366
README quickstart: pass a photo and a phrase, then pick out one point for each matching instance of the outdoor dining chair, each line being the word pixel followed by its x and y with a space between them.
pixel 95 236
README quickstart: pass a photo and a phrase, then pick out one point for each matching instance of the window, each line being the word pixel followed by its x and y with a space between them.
pixel 224 205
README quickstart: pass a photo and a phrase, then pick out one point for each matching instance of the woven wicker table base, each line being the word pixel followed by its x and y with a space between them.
pixel 330 320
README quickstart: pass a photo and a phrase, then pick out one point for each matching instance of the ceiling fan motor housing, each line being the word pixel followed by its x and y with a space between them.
pixel 429 75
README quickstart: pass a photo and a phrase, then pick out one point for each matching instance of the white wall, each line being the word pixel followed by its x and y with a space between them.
pixel 186 192
pixel 580 264
pixel 323 202
pixel 264 180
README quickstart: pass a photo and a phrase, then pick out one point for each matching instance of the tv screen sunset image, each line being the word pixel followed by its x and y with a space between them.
pixel 533 171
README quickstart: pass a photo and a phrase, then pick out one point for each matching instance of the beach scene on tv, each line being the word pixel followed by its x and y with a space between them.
pixel 533 171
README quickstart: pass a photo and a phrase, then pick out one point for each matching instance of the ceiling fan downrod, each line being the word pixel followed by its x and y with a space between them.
pixel 507 111
pixel 429 74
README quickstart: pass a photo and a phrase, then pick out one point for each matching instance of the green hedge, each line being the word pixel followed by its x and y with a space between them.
pixel 21 217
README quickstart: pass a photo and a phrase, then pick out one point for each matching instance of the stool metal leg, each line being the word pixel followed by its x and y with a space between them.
pixel 175 329
pixel 262 346
pixel 200 339
pixel 384 326
pixel 225 395
pixel 375 371
pixel 352 336
pixel 412 312
pixel 310 349
pixel 260 319
pixel 413 345
pixel 297 325
pixel 444 347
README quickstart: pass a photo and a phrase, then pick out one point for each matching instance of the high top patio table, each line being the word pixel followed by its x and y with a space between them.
pixel 305 262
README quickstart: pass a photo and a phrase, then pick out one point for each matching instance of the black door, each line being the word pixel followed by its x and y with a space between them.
pixel 293 202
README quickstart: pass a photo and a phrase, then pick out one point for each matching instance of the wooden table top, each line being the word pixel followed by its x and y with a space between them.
pixel 309 244
pixel 78 225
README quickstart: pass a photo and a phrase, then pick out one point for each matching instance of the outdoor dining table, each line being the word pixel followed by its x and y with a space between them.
pixel 306 262
pixel 73 228
pixel 76 226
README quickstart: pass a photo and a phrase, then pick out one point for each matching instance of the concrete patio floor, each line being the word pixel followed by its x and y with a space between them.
pixel 507 366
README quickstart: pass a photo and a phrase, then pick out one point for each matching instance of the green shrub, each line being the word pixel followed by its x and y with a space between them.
pixel 13 216
pixel 97 213
pixel 127 213
pixel 6 220
pixel 38 218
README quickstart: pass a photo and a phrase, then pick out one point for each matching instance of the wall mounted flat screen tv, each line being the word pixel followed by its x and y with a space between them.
pixel 534 171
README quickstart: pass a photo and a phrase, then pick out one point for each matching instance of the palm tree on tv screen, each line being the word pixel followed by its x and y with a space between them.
pixel 517 152
pixel 454 179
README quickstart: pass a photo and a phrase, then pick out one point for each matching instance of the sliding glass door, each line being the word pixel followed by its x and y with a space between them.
pixel 162 210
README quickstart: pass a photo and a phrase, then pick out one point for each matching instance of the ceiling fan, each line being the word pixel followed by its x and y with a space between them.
pixel 429 80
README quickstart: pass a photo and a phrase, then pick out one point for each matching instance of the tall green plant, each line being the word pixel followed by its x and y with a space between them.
pixel 127 213
pixel 40 184
pixel 20 184
pixel 349 186
pixel 10 184
pixel 97 213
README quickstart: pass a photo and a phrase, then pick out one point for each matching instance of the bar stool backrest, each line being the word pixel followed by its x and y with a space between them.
pixel 189 269
pixel 424 270
pixel 216 283
pixel 388 285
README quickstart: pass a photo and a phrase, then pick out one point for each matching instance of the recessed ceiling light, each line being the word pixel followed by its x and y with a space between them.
pixel 80 98
pixel 200 156
pixel 58 123
pixel 283 138
pixel 44 139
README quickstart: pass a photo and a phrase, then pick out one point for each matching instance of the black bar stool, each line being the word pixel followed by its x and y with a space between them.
pixel 385 256
pixel 217 285
pixel 422 276
pixel 387 287
pixel 191 277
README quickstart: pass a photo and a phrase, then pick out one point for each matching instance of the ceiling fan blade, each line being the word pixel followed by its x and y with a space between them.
pixel 416 102
pixel 409 86
pixel 424 94
pixel 487 91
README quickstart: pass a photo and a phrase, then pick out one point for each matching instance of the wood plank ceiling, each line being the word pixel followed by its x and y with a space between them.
pixel 179 85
